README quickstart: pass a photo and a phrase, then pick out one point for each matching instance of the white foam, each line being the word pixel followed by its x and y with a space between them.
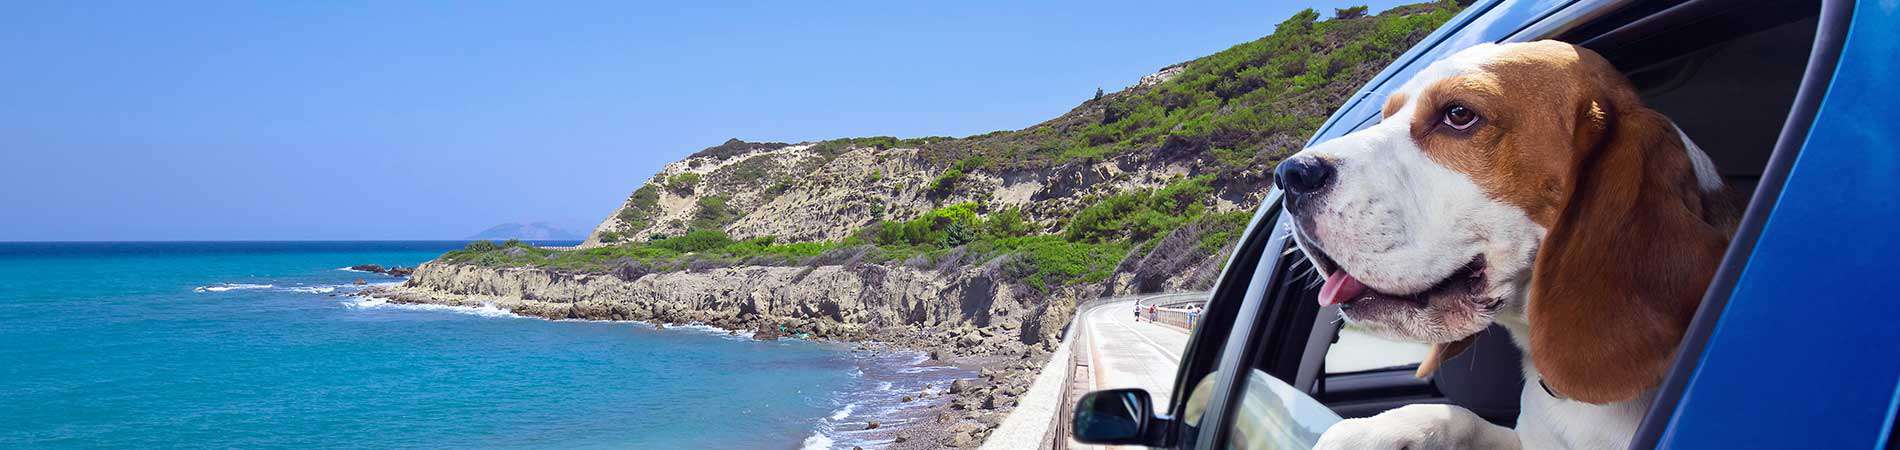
pixel 221 287
pixel 313 289
pixel 817 441
pixel 923 369
pixel 486 310
pixel 844 412
pixel 346 269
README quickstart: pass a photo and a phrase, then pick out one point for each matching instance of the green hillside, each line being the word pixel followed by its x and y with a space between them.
pixel 1228 117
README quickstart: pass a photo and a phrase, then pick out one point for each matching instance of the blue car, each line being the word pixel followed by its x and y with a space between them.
pixel 1796 343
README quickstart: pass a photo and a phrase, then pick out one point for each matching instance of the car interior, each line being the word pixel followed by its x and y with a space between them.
pixel 1726 71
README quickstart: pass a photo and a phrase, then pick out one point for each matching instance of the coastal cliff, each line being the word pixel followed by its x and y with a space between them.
pixel 967 316
pixel 974 250
pixel 835 302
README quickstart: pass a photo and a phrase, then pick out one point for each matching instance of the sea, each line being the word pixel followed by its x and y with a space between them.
pixel 265 345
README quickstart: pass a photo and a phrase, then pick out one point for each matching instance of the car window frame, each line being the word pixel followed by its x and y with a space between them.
pixel 1240 341
pixel 1208 348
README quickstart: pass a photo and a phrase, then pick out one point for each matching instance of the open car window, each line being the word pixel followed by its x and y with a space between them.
pixel 1714 66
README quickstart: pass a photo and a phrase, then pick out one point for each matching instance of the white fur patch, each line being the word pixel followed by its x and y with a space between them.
pixel 1706 176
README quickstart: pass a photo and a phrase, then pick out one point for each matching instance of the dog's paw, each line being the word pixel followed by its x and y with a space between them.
pixel 1416 427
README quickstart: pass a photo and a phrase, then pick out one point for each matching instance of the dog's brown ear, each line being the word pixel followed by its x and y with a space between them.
pixel 1626 261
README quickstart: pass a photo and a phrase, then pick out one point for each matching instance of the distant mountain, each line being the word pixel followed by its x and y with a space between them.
pixel 538 231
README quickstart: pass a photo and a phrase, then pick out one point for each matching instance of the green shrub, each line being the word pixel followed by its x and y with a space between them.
pixel 693 241
pixel 1008 223
pixel 682 184
pixel 638 213
pixel 948 226
pixel 711 212
pixel 945 181
pixel 1048 261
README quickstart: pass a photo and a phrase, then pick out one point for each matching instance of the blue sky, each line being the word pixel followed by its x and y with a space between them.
pixel 435 120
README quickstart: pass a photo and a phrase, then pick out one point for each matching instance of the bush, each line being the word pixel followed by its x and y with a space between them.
pixel 948 226
pixel 638 213
pixel 1142 214
pixel 1350 12
pixel 713 213
pixel 682 184
pixel 611 237
pixel 946 180
pixel 481 246
pixel 1048 261
pixel 693 241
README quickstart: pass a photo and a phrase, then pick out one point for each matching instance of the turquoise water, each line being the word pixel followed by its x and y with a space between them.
pixel 259 345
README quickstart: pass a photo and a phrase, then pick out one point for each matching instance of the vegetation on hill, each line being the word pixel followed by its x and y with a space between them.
pixel 1229 106
pixel 1232 114
pixel 957 235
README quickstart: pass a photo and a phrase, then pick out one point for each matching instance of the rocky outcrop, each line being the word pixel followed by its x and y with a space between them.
pixel 377 268
pixel 962 312
pixel 818 192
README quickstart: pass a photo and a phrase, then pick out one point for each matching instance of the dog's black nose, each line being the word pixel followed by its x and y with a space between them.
pixel 1302 175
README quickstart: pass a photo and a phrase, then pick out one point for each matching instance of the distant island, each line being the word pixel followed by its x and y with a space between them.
pixel 537 231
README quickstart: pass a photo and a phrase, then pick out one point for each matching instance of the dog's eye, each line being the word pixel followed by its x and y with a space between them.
pixel 1459 117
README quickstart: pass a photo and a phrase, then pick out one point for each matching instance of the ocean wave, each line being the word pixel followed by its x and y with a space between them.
pixel 817 441
pixel 922 369
pixel 486 310
pixel 312 289
pixel 221 287
pixel 844 412
pixel 346 269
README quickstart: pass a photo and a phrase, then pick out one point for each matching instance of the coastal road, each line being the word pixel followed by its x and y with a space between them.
pixel 1104 348
pixel 1129 353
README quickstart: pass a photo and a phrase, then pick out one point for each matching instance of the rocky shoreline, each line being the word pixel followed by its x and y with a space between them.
pixel 967 317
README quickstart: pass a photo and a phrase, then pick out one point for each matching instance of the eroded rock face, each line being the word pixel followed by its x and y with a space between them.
pixel 808 192
pixel 903 305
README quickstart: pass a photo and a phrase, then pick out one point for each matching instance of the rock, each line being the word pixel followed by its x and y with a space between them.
pixel 378 268
pixel 768 333
pixel 900 438
pixel 965 435
pixel 960 386
pixel 872 425
pixel 359 282
pixel 908 399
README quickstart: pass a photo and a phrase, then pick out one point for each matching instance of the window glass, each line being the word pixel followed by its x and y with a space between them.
pixel 1357 350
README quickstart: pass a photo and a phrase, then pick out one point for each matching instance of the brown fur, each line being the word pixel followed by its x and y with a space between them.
pixel 1632 242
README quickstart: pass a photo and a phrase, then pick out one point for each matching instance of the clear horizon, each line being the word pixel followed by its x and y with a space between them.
pixel 322 122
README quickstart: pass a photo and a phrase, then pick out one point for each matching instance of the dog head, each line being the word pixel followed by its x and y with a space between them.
pixel 1525 179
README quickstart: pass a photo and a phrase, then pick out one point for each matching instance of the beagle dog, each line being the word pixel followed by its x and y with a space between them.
pixel 1525 185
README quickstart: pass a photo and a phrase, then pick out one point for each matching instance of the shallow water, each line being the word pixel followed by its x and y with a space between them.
pixel 259 344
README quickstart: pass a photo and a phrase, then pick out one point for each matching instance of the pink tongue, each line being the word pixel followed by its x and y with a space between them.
pixel 1339 288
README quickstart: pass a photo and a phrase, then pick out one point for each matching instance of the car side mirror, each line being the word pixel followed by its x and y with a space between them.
pixel 1117 417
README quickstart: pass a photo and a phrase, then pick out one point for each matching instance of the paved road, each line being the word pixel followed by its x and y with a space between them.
pixel 1125 353
pixel 1129 353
